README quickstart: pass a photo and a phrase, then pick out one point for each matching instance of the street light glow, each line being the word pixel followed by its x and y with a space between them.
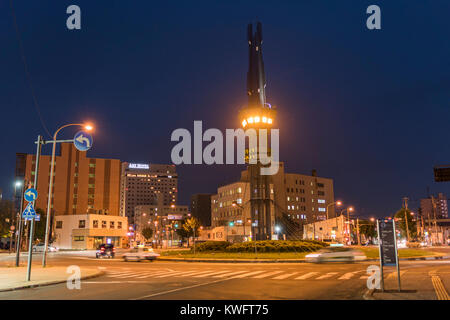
pixel 338 203
pixel 18 183
pixel 88 127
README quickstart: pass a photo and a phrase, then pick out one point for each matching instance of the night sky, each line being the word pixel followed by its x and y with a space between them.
pixel 369 109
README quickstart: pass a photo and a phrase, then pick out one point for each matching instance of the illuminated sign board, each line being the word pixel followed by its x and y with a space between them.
pixel 138 166
pixel 175 217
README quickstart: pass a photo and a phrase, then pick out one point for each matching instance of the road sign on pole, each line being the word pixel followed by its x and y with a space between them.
pixel 29 213
pixel 82 141
pixel 387 241
pixel 31 195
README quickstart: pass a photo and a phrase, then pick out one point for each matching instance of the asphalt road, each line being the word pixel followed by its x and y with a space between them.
pixel 182 280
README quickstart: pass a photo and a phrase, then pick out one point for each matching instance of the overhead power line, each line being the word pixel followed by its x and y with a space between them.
pixel 25 65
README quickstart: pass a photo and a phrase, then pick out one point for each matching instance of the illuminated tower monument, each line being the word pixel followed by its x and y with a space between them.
pixel 258 115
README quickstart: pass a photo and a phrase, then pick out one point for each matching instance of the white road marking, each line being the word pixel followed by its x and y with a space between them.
pixel 229 274
pixel 306 276
pixel 173 274
pixel 209 274
pixel 179 289
pixel 284 276
pixel 326 276
pixel 265 275
pixel 151 274
pixel 194 272
pixel 348 275
pixel 247 274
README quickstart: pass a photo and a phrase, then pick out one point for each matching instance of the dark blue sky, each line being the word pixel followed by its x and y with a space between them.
pixel 369 109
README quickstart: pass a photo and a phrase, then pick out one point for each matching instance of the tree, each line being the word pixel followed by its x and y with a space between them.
pixel 367 229
pixel 183 234
pixel 412 225
pixel 147 233
pixel 6 210
pixel 191 226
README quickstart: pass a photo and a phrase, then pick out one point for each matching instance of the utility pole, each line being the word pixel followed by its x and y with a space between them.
pixel 405 205
pixel 357 231
pixel 434 220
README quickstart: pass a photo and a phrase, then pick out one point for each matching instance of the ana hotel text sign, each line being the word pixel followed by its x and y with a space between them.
pixel 138 166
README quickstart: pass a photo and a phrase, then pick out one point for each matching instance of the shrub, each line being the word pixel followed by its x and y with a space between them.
pixel 212 246
pixel 276 246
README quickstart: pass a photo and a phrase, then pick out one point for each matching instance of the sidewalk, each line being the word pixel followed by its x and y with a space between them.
pixel 13 278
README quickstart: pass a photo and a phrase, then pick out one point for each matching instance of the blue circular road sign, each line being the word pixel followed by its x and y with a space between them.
pixel 82 141
pixel 30 195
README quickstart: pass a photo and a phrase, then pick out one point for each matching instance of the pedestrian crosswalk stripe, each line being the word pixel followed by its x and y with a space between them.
pixel 133 275
pixel 195 272
pixel 265 275
pixel 364 277
pixel 229 274
pixel 174 274
pixel 347 276
pixel 151 274
pixel 209 274
pixel 284 276
pixel 121 274
pixel 328 275
pixel 306 276
pixel 247 274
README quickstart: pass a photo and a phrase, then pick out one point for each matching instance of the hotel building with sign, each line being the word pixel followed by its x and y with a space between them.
pixel 143 184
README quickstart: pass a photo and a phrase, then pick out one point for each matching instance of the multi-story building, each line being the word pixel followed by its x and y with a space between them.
pixel 83 190
pixel 302 198
pixel 201 208
pixel 81 185
pixel 88 231
pixel 142 183
pixel 163 220
pixel 440 202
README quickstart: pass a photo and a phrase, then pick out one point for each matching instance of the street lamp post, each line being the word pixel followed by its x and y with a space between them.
pixel 348 220
pixel 50 187
pixel 338 203
pixel 19 219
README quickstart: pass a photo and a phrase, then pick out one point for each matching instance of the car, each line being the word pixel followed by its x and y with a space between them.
pixel 40 248
pixel 105 250
pixel 335 254
pixel 140 253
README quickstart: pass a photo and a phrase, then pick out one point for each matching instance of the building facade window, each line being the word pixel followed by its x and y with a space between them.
pixel 81 224
pixel 59 224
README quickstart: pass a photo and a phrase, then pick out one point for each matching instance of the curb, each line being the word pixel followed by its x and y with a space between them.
pixel 230 260
pixel 99 273
pixel 441 257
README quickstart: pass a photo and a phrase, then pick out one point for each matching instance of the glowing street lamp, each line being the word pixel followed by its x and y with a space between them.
pixel 337 203
pixel 87 127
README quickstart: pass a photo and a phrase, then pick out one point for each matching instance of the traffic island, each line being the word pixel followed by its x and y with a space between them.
pixel 12 278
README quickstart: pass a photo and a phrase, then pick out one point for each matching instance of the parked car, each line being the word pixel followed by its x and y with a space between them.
pixel 140 253
pixel 105 250
pixel 335 254
pixel 40 248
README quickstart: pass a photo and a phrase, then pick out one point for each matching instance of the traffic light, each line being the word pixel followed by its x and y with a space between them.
pixel 231 223
pixel 176 225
